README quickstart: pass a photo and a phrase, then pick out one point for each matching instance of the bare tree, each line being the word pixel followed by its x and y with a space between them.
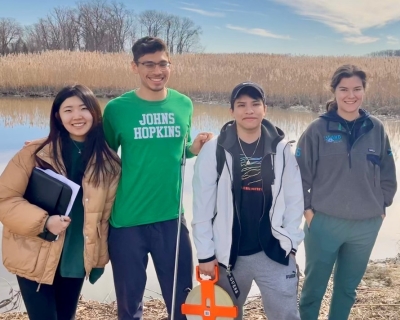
pixel 93 24
pixel 180 34
pixel 120 23
pixel 133 33
pixel 98 25
pixel 188 36
pixel 42 34
pixel 59 30
pixel 153 22
pixel 10 32
pixel 63 23
pixel 54 32
pixel 171 31
pixel 33 38
pixel 18 46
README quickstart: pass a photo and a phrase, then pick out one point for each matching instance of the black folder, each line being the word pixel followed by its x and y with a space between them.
pixel 49 194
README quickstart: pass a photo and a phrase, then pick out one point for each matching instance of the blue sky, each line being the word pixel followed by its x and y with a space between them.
pixel 302 27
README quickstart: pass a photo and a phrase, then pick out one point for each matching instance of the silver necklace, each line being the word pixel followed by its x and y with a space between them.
pixel 79 150
pixel 352 127
pixel 247 158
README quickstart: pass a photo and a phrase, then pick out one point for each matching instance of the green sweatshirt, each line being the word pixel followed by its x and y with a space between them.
pixel 71 264
pixel 72 261
pixel 151 136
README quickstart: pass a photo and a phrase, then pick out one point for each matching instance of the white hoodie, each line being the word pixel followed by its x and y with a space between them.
pixel 214 238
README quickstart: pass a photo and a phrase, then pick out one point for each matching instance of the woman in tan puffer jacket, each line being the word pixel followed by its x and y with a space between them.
pixel 51 273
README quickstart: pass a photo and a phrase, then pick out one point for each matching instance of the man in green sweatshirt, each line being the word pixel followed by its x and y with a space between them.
pixel 152 126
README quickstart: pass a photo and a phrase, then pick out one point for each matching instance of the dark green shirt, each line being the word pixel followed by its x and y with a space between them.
pixel 72 264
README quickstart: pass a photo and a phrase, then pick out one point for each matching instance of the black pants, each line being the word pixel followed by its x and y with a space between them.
pixel 58 301
pixel 129 249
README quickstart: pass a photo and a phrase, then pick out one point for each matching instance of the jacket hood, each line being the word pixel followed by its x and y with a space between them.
pixel 272 135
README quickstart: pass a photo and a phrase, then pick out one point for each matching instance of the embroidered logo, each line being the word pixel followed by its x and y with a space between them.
pixel 292 275
pixel 371 150
pixel 389 152
pixel 298 152
pixel 333 138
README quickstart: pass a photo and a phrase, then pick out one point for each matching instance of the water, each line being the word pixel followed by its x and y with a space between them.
pixel 27 119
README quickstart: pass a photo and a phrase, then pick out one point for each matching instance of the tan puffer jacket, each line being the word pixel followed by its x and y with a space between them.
pixel 27 255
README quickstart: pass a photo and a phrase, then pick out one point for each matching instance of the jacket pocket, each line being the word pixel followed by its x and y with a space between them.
pixel 375 160
pixel 25 255
pixel 97 254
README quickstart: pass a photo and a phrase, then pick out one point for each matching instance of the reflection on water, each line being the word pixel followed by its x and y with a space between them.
pixel 26 119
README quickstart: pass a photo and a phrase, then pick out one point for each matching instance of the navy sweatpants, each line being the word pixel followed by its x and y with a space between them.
pixel 129 249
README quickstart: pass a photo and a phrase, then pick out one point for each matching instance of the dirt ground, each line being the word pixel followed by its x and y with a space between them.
pixel 378 297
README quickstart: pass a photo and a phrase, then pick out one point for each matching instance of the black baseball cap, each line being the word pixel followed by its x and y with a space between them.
pixel 240 86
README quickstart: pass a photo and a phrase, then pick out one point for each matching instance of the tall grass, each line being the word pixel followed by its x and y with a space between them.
pixel 287 80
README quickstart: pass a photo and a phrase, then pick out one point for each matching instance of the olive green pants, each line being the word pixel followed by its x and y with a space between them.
pixel 345 244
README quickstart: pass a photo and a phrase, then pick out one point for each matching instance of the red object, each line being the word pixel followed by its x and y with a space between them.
pixel 208 309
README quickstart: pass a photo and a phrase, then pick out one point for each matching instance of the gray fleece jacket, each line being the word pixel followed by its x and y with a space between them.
pixel 350 181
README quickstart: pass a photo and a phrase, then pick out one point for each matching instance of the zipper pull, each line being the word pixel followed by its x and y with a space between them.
pixel 228 270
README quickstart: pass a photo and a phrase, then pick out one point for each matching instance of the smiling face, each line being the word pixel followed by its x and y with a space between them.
pixel 153 78
pixel 76 118
pixel 248 112
pixel 349 95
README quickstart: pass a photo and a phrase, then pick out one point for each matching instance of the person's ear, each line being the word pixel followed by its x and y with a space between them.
pixel 134 67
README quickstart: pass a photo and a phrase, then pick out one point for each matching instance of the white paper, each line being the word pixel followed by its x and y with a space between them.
pixel 75 188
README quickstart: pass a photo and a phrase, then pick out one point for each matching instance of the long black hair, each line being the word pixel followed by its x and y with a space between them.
pixel 345 71
pixel 95 152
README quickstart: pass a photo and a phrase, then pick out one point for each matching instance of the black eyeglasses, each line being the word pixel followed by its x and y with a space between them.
pixel 150 65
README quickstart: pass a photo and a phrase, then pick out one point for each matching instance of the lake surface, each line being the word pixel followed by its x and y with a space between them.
pixel 27 119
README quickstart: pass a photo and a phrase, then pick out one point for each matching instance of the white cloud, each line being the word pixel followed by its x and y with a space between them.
pixel 349 17
pixel 392 40
pixel 230 4
pixel 360 39
pixel 242 12
pixel 188 4
pixel 204 13
pixel 258 32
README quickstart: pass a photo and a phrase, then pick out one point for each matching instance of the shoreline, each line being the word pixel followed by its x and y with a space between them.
pixel 378 297
pixel 210 98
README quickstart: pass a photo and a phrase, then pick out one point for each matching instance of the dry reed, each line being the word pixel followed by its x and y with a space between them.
pixel 288 80
pixel 378 298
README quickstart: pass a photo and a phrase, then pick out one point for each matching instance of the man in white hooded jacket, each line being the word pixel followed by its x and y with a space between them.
pixel 248 206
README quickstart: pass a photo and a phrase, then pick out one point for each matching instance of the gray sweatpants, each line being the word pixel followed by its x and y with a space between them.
pixel 277 284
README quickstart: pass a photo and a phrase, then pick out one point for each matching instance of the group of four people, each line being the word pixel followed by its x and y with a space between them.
pixel 250 193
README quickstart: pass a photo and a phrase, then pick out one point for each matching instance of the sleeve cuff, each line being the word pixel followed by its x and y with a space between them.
pixel 95 275
pixel 207 260
pixel 188 153
pixel 45 224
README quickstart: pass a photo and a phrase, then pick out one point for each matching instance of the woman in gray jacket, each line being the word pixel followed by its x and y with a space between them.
pixel 349 178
